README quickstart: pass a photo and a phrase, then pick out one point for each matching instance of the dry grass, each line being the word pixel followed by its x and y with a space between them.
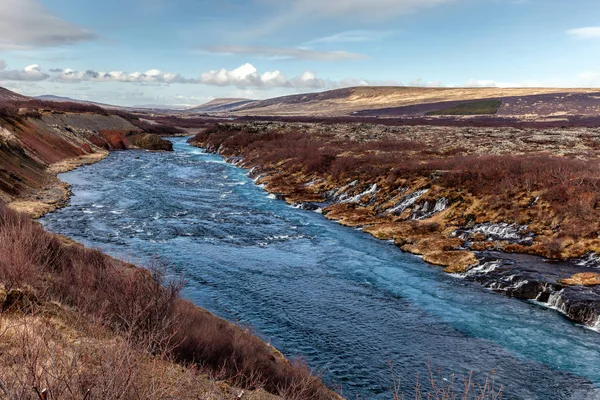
pixel 140 308
pixel 437 387
pixel 557 197
pixel 583 279
pixel 44 356
pixel 345 101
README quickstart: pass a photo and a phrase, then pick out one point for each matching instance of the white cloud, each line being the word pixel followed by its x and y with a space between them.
pixel 286 53
pixel 419 82
pixel 26 23
pixel 245 76
pixel 293 11
pixel 475 83
pixel 364 9
pixel 309 80
pixel 151 76
pixel 359 36
pixel 2 65
pixel 31 73
pixel 589 79
pixel 586 33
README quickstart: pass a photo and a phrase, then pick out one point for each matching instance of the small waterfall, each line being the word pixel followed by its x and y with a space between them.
pixel 258 178
pixel 313 182
pixel 502 230
pixel 341 193
pixel 556 301
pixel 429 209
pixel 596 324
pixel 372 191
pixel 481 269
pixel 591 260
pixel 407 201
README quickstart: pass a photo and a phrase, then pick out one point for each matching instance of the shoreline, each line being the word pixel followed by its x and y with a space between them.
pixel 37 209
pixel 578 303
pixel 58 193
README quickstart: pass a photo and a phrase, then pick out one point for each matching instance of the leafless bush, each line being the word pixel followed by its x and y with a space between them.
pixel 141 306
pixel 39 361
pixel 440 388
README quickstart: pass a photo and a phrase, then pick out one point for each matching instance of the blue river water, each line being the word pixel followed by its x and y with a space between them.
pixel 333 296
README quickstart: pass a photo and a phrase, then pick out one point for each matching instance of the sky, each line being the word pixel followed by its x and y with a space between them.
pixel 188 52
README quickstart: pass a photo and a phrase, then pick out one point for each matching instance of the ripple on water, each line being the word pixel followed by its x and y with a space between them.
pixel 337 297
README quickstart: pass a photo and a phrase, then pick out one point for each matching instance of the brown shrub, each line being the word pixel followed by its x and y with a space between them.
pixel 141 305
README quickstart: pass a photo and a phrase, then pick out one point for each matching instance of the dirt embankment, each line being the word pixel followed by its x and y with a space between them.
pixel 33 149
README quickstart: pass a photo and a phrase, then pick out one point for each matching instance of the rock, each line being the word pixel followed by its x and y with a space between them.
pixel 307 206
pixel 152 142
pixel 530 278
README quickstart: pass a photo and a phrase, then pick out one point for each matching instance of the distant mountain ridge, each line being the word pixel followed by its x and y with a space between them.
pixel 354 100
pixel 384 102
pixel 48 97
pixel 221 105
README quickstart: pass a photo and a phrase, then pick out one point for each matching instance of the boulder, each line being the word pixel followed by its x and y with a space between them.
pixel 150 141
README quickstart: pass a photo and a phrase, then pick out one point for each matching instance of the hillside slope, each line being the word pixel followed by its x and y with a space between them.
pixel 7 95
pixel 35 144
pixel 220 105
pixel 350 100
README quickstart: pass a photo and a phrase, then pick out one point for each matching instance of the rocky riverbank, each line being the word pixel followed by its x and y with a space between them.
pixel 363 185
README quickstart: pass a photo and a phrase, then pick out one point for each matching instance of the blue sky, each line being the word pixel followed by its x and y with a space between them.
pixel 134 52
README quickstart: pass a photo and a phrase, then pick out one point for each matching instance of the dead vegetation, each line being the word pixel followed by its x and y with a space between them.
pixel 437 387
pixel 83 325
pixel 550 185
pixel 348 100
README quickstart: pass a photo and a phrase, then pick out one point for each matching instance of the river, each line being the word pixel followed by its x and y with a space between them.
pixel 336 297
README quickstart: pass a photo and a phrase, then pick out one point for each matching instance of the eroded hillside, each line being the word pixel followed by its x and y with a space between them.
pixel 37 141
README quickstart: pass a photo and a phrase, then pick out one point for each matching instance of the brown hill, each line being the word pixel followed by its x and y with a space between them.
pixel 7 95
pixel 351 100
pixel 220 105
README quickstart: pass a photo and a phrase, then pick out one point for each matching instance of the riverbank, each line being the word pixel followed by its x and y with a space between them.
pixel 103 303
pixel 173 348
pixel 377 179
pixel 55 194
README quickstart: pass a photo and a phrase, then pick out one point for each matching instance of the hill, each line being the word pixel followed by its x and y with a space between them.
pixel 62 99
pixel 387 99
pixel 7 95
pixel 221 105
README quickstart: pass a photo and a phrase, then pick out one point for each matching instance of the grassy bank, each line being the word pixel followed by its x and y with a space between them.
pixel 49 285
